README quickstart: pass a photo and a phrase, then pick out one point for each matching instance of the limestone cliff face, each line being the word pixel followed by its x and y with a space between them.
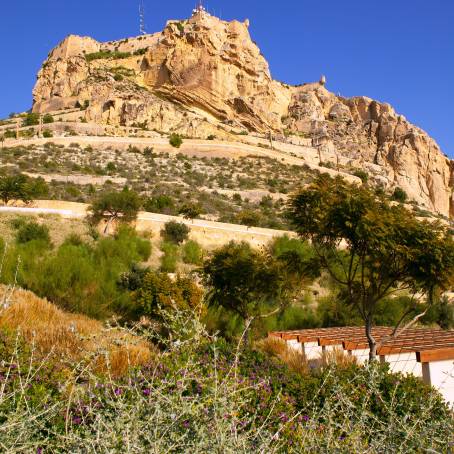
pixel 203 76
pixel 371 135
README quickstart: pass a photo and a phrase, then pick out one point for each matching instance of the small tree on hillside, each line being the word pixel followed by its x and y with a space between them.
pixel 123 206
pixel 21 187
pixel 372 249
pixel 399 195
pixel 175 232
pixel 249 218
pixel 190 211
pixel 247 282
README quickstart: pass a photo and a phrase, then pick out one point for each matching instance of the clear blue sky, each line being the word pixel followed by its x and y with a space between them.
pixel 397 51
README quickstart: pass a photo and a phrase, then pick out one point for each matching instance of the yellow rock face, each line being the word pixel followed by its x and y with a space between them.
pixel 205 76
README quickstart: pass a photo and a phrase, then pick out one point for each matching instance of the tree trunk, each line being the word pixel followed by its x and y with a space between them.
pixel 108 224
pixel 371 341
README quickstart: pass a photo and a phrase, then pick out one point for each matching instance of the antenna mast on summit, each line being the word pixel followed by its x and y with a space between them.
pixel 142 18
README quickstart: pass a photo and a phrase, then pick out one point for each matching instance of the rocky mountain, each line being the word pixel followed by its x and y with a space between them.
pixel 204 76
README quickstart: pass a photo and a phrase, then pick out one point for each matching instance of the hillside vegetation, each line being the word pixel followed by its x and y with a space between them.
pixel 196 392
pixel 177 351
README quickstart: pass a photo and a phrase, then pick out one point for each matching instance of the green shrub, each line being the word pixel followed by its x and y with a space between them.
pixel 249 218
pixel 160 204
pixel 77 276
pixel 170 257
pixel 18 222
pixel 158 291
pixel 175 232
pixel 175 140
pixel 32 231
pixel 364 176
pixel 399 195
pixel 31 119
pixel 107 54
pixel 192 253
pixel 141 51
pixel 47 134
pixel 111 167
pixel 48 118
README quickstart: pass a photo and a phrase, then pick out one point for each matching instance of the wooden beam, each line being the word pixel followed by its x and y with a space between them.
pixel 439 354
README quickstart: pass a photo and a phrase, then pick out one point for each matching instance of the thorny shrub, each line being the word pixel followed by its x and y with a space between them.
pixel 201 394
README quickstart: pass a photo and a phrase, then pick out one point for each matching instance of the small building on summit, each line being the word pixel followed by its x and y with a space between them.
pixel 200 10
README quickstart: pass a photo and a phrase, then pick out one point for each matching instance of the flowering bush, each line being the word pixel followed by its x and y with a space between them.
pixel 202 394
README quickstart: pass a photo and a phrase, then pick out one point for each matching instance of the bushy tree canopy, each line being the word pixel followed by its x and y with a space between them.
pixel 21 187
pixel 248 282
pixel 123 206
pixel 158 290
pixel 370 247
pixel 175 232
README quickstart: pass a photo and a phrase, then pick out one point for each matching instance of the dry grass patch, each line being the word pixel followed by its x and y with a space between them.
pixel 278 348
pixel 297 361
pixel 338 357
pixel 71 336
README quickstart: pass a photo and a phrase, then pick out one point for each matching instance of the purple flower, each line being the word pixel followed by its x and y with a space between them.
pixel 186 424
pixel 306 418
pixel 118 391
pixel 283 417
pixel 77 420
pixel 39 451
pixel 146 391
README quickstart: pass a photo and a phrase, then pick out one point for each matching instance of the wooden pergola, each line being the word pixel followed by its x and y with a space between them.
pixel 424 352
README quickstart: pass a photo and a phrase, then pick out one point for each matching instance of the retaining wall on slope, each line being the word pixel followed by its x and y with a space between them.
pixel 208 233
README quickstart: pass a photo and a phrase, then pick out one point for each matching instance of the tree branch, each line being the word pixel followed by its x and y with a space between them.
pixel 397 332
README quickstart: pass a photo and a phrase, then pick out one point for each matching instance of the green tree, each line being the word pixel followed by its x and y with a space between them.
pixel 371 249
pixel 175 232
pixel 245 282
pixel 190 211
pixel 248 218
pixel 115 206
pixel 21 187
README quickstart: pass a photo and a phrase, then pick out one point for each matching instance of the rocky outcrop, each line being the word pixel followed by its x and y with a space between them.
pixel 205 76
pixel 370 135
